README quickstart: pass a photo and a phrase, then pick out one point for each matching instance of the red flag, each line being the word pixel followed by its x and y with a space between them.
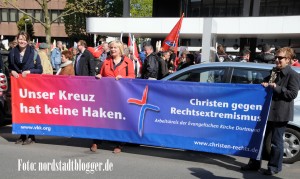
pixel 172 38
pixel 96 52
pixel 129 40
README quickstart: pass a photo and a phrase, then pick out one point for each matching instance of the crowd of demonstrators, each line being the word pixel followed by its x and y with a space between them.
pixel 244 56
pixel 172 60
pixel 46 64
pixel 117 66
pixel 284 82
pixel 182 59
pixel 198 56
pixel 20 62
pixel 222 55
pixel 265 56
pixel 56 55
pixel 66 67
pixel 188 61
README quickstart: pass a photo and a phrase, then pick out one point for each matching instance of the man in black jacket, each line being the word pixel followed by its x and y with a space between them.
pixel 163 65
pixel 284 82
pixel 84 62
pixel 265 56
pixel 150 66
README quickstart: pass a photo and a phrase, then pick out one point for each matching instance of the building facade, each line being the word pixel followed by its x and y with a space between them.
pixel 228 9
pixel 9 16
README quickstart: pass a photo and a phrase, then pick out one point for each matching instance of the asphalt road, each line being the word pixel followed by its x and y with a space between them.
pixel 59 157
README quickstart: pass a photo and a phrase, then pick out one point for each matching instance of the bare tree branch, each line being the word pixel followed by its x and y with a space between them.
pixel 42 23
pixel 39 2
pixel 66 13
pixel 69 11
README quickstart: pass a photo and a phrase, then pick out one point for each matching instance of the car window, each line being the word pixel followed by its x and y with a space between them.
pixel 249 76
pixel 208 75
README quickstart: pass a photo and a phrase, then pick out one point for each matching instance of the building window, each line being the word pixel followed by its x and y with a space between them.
pixel 208 8
pixel 61 19
pixel 234 8
pixel 279 7
pixel 20 15
pixel 54 15
pixel 13 15
pixel 30 13
pixel 38 15
pixel 4 15
pixel 220 8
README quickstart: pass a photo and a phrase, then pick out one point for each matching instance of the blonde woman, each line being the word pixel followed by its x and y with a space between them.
pixel 117 66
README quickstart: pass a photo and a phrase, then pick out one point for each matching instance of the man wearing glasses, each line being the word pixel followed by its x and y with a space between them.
pixel 84 62
pixel 284 82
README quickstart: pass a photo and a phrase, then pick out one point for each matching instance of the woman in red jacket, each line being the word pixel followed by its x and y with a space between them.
pixel 118 66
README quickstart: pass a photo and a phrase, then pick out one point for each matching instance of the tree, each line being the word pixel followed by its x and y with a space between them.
pixel 75 24
pixel 141 8
pixel 76 6
pixel 25 24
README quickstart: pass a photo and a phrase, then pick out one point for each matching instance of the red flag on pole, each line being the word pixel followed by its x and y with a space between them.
pixel 129 40
pixel 172 39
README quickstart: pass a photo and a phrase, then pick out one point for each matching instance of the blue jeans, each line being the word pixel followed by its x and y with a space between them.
pixel 57 66
pixel 276 156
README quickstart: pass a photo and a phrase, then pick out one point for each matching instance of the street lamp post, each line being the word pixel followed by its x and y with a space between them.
pixel 26 20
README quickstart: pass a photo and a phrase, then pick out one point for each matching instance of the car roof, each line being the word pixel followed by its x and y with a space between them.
pixel 263 66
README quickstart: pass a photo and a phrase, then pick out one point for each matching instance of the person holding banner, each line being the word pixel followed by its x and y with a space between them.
pixel 24 60
pixel 118 66
pixel 284 82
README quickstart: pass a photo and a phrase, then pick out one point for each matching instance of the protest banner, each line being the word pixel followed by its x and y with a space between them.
pixel 217 118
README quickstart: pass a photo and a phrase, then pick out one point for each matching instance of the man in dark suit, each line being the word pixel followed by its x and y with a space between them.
pixel 284 82
pixel 84 62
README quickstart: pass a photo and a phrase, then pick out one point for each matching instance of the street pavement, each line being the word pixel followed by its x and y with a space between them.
pixel 61 157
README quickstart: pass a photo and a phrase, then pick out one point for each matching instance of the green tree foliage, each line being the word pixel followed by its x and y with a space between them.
pixel 75 24
pixel 141 8
pixel 75 6
pixel 29 26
